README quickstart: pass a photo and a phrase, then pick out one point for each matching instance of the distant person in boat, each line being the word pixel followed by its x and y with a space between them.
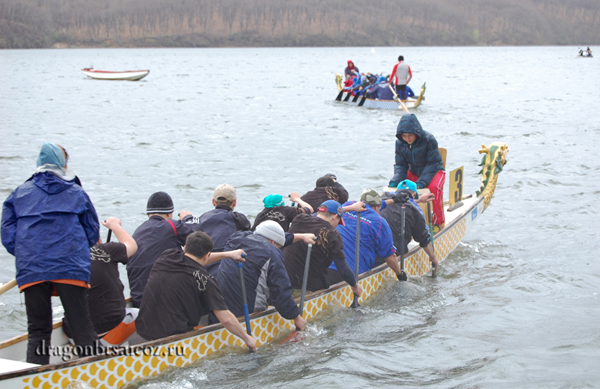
pixel 326 188
pixel 113 321
pixel 375 238
pixel 418 159
pixel 276 210
pixel 328 248
pixel 180 291
pixel 157 234
pixel 383 92
pixel 49 224
pixel 400 77
pixel 265 276
pixel 350 69
pixel 221 222
pixel 415 226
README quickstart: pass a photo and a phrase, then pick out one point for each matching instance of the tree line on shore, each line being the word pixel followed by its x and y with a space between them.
pixel 251 23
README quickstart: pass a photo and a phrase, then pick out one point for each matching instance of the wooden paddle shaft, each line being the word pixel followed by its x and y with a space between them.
pixel 8 286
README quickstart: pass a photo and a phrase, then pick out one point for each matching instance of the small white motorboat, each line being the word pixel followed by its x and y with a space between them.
pixel 127 75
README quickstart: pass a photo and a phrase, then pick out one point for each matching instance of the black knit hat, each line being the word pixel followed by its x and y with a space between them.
pixel 160 202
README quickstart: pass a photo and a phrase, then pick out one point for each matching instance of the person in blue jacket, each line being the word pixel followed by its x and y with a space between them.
pixel 222 221
pixel 418 159
pixel 265 277
pixel 49 225
pixel 376 238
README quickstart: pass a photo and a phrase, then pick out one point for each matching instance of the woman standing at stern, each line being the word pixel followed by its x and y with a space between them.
pixel 49 225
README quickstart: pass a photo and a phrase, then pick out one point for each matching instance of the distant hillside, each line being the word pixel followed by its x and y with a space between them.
pixel 251 23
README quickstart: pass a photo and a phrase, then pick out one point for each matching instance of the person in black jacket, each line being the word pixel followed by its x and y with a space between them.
pixel 328 248
pixel 326 188
pixel 415 226
pixel 265 276
pixel 180 291
pixel 418 159
pixel 276 210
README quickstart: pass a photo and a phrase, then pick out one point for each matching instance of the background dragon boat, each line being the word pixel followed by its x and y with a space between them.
pixel 363 101
pixel 130 364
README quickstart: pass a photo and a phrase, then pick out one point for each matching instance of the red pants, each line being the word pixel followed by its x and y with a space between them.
pixel 436 186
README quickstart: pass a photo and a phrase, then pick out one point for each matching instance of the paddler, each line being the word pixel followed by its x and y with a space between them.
pixel 49 225
pixel 415 226
pixel 326 188
pixel 265 276
pixel 328 248
pixel 375 238
pixel 222 221
pixel 180 291
pixel 276 210
pixel 418 159
pixel 157 234
pixel 113 321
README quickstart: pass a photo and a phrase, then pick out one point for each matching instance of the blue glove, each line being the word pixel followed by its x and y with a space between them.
pixel 393 184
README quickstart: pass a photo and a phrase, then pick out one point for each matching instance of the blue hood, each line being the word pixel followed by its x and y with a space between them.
pixel 51 183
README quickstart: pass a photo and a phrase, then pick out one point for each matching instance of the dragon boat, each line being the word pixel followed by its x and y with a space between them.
pixel 125 365
pixel 363 101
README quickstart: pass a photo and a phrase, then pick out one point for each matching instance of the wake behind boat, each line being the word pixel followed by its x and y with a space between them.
pixel 127 75
pixel 126 365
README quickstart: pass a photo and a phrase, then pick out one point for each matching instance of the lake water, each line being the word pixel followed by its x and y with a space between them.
pixel 515 305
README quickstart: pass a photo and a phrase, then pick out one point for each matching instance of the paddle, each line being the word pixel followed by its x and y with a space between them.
pixel 433 270
pixel 339 96
pixel 295 336
pixel 245 299
pixel 8 286
pixel 398 99
pixel 356 97
pixel 402 276
pixel 108 236
pixel 355 303
pixel 362 101
pixel 305 280
pixel 348 96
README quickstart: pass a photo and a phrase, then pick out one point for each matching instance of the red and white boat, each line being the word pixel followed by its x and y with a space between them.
pixel 127 75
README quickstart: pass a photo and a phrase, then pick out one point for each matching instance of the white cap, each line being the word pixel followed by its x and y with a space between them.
pixel 272 231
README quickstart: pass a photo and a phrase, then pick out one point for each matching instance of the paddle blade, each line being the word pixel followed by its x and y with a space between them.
pixel 362 101
pixel 293 337
pixel 355 98
pixel 403 277
pixel 348 96
pixel 339 96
